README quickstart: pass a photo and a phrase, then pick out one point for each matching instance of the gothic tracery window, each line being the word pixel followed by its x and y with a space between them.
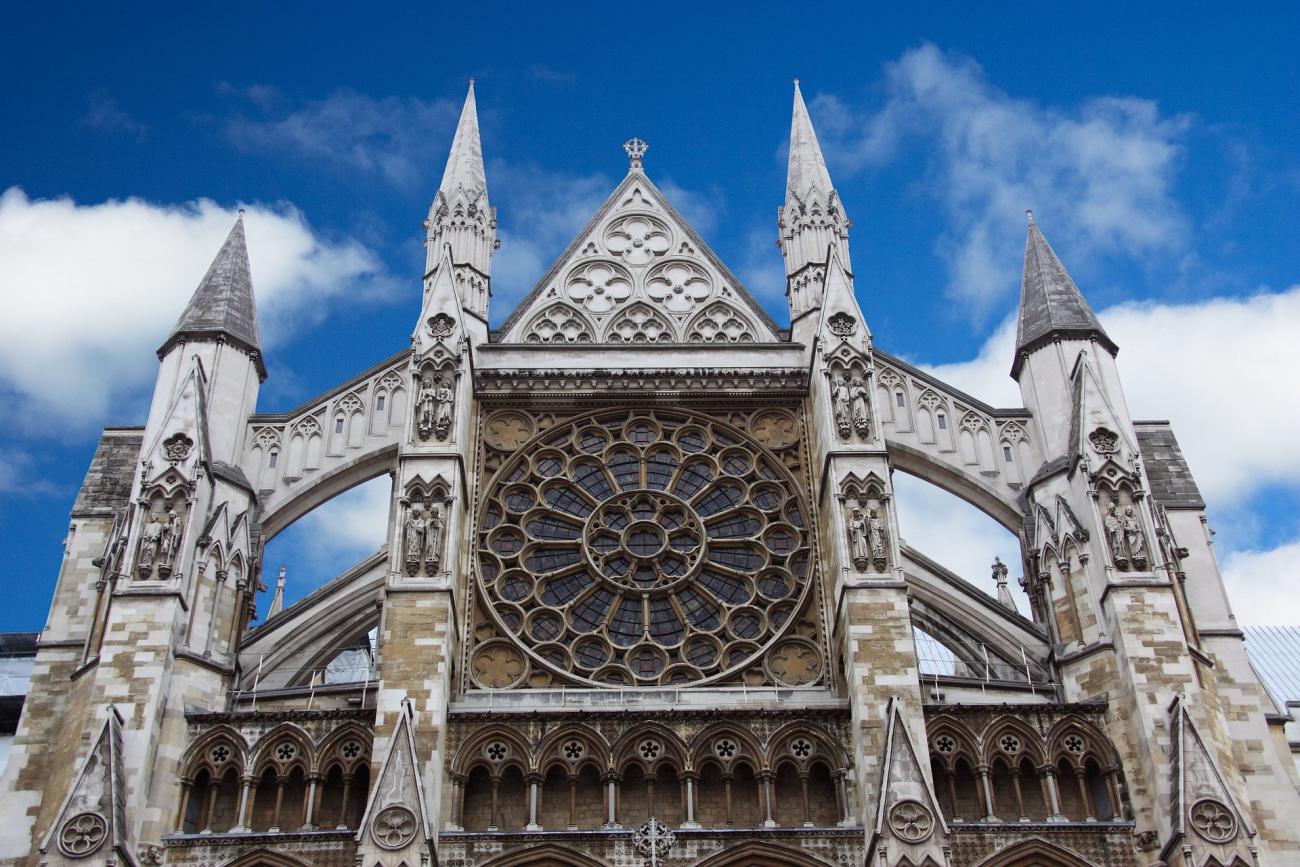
pixel 634 547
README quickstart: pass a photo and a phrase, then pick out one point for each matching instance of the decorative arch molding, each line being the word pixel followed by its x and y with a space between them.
pixel 547 855
pixel 263 857
pixel 1035 852
pixel 307 634
pixel 961 617
pixel 973 487
pixel 767 854
pixel 289 502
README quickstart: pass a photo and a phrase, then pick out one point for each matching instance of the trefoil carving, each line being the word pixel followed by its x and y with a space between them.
pixel 842 325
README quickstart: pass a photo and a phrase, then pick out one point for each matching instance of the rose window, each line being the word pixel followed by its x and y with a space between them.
pixel 635 547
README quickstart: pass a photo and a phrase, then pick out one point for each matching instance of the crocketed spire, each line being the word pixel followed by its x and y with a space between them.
pixel 1051 305
pixel 223 303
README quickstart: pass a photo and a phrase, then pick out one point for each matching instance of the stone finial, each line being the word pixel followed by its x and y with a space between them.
pixel 636 149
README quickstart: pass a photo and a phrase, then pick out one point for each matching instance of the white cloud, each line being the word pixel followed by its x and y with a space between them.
pixel 1217 369
pixel 540 213
pixel 331 539
pixel 1100 174
pixel 90 291
pixel 1214 368
pixel 390 137
pixel 1264 586
pixel 956 535
pixel 103 113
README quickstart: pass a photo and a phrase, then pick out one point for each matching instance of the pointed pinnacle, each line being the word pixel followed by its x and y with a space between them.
pixel 465 161
pixel 807 166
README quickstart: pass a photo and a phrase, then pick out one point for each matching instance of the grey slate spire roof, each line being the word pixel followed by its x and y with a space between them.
pixel 465 162
pixel 223 302
pixel 1051 305
pixel 807 167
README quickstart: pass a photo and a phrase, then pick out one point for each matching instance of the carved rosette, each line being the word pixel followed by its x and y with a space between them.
pixel 911 821
pixel 82 835
pixel 1212 819
pixel 393 827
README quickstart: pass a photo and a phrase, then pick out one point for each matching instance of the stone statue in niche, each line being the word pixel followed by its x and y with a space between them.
pixel 876 536
pixel 169 541
pixel 1115 536
pixel 1134 540
pixel 416 534
pixel 861 414
pixel 150 542
pixel 433 548
pixel 841 401
pixel 859 545
pixel 443 397
pixel 426 403
pixel 1128 545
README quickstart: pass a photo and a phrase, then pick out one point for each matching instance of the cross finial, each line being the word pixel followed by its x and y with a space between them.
pixel 635 148
pixel 1029 213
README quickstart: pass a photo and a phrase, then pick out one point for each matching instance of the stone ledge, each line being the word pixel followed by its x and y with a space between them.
pixel 241 839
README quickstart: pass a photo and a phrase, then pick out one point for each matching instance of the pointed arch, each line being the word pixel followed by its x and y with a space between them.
pixel 263 857
pixel 598 749
pixel 626 748
pixel 773 854
pixel 720 322
pixel 1029 743
pixel 560 323
pixel 471 751
pixel 826 747
pixel 197 754
pixel 1033 852
pixel 702 746
pixel 546 855
pixel 265 752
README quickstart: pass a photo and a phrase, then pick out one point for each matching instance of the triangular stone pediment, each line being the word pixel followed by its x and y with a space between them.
pixel 638 272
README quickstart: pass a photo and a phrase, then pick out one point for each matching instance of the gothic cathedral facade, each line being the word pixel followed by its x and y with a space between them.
pixel 643 599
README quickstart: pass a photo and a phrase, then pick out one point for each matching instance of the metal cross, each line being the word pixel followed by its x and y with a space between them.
pixel 653 840
pixel 636 149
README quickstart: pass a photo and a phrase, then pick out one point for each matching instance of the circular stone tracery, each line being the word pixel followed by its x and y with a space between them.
pixel 635 547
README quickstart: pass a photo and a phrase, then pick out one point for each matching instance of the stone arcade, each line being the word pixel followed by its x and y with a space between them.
pixel 644 599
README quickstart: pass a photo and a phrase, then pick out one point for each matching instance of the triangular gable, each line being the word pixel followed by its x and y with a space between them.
pixel 907 811
pixel 1091 413
pixel 92 819
pixel 638 272
pixel 1203 808
pixel 396 819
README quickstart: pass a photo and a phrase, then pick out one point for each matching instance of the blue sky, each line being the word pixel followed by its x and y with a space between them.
pixel 1155 144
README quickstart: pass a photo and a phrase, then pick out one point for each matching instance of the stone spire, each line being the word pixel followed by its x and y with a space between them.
pixel 461 218
pixel 464 168
pixel 811 220
pixel 1051 305
pixel 806 172
pixel 277 601
pixel 223 303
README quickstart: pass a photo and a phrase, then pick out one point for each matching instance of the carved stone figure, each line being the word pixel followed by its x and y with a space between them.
pixel 442 413
pixel 1134 541
pixel 426 403
pixel 433 535
pixel 859 546
pixel 841 401
pixel 150 539
pixel 169 541
pixel 861 413
pixel 416 537
pixel 876 536
pixel 1115 536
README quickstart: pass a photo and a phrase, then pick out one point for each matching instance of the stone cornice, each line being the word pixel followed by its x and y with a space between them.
pixel 279 715
pixel 1095 706
pixel 520 383
pixel 572 715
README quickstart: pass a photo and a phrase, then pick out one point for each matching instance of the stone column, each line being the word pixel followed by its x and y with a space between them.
pixel 532 804
pixel 343 808
pixel 765 779
pixel 222 574
pixel 1053 794
pixel 1089 809
pixel 185 804
pixel 726 788
pixel 990 809
pixel 573 801
pixel 690 777
pixel 803 785
pixel 214 788
pixel 309 808
pixel 1020 798
pixel 245 784
pixel 611 794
